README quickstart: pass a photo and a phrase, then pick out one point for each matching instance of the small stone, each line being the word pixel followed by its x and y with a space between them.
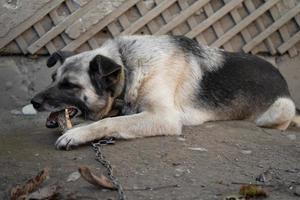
pixel 181 139
pixel 73 176
pixel 28 110
pixel 198 149
pixel 291 136
pixel 246 152
pixel 36 154
pixel 15 112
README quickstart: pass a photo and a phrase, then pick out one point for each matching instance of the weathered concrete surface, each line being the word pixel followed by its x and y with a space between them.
pixel 21 77
pixel 236 152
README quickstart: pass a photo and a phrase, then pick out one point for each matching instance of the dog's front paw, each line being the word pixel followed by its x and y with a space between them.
pixel 71 138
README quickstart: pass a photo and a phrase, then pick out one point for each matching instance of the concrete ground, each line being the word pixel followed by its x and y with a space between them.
pixel 208 162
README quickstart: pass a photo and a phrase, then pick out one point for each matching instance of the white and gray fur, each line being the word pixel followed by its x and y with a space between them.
pixel 172 81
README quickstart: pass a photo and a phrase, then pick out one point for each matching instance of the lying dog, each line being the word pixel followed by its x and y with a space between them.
pixel 165 82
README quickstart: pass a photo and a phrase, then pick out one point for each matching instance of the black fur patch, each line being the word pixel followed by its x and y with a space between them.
pixel 103 73
pixel 58 56
pixel 187 45
pixel 242 76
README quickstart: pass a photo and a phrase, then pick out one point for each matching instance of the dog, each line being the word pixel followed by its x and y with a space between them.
pixel 165 83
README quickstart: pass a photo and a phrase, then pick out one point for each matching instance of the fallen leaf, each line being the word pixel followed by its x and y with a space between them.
pixel 252 191
pixel 100 181
pixel 46 193
pixel 20 192
pixel 73 176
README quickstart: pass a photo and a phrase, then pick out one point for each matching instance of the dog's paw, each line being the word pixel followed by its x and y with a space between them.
pixel 71 138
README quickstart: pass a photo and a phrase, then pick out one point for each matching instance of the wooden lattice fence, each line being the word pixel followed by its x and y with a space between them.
pixel 254 26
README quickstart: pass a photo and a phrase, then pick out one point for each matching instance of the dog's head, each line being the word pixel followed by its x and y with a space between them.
pixel 85 81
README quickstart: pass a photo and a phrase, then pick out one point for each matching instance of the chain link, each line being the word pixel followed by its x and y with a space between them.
pixel 97 147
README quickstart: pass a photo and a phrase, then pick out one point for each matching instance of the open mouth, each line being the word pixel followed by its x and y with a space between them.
pixel 52 120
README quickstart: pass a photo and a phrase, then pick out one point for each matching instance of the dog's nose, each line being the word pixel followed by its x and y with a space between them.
pixel 36 102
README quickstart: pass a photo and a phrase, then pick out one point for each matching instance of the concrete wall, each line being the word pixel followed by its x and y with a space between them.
pixel 21 77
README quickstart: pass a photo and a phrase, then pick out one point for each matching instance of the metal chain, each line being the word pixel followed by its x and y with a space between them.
pixel 97 147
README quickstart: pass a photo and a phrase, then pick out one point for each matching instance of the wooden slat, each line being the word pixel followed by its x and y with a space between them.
pixel 14 32
pixel 237 18
pixel 124 21
pixel 152 26
pixel 192 22
pixel 288 44
pixel 148 17
pixel 70 5
pixel 168 17
pixel 100 25
pixel 283 30
pixel 297 19
pixel 41 31
pixel 251 8
pixel 276 25
pixel 182 17
pixel 60 27
pixel 56 20
pixel 22 44
pixel 216 26
pixel 245 22
pixel 93 43
pixel 113 29
pixel 208 22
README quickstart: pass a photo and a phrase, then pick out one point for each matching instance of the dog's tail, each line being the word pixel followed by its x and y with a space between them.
pixel 296 119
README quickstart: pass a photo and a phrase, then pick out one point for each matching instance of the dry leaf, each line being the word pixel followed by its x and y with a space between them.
pixel 100 181
pixel 252 191
pixel 20 192
pixel 46 193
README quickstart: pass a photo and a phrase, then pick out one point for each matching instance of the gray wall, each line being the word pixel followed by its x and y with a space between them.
pixel 21 77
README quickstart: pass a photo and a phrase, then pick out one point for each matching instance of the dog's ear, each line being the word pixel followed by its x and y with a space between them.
pixel 104 72
pixel 58 56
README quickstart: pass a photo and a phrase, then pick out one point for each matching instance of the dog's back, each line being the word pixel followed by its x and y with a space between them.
pixel 210 84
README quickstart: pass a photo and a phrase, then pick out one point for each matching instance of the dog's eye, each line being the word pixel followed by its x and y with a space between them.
pixel 69 85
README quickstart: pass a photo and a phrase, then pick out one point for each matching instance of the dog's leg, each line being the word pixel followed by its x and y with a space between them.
pixel 279 115
pixel 126 127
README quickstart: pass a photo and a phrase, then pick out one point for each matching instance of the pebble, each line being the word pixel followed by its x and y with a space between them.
pixel 246 152
pixel 73 176
pixel 181 139
pixel 15 112
pixel 198 149
pixel 291 136
pixel 28 110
